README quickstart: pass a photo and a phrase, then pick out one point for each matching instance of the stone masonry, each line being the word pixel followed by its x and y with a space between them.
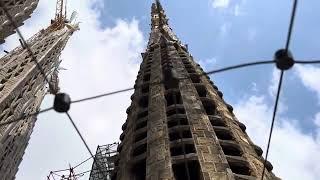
pixel 178 126
pixel 22 89
pixel 20 10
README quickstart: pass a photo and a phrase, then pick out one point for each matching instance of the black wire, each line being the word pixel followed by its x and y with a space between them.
pixel 82 162
pixel 83 140
pixel 238 66
pixel 206 73
pixel 272 123
pixel 25 116
pixel 59 170
pixel 33 58
pixel 308 62
pixel 83 173
pixel 102 95
pixel 293 15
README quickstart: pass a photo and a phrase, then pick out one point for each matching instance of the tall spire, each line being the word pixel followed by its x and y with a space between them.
pixel 158 17
pixel 159 23
pixel 181 128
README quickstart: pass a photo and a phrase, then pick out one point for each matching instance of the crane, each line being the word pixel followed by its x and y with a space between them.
pixel 60 16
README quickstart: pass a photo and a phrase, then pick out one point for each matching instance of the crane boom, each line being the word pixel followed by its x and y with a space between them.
pixel 60 17
pixel 59 10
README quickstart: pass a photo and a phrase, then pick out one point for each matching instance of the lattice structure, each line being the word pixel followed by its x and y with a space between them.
pixel 182 128
pixel 103 164
pixel 20 10
pixel 22 89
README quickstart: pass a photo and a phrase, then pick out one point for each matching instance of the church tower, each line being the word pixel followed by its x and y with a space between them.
pixel 23 87
pixel 178 126
pixel 20 10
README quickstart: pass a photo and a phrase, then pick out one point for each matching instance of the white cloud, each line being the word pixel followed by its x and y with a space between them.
pixel 309 76
pixel 237 11
pixel 98 60
pixel 254 87
pixel 235 8
pixel 292 152
pixel 220 3
pixel 274 82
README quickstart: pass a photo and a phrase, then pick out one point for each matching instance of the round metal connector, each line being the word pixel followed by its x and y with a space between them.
pixel 284 59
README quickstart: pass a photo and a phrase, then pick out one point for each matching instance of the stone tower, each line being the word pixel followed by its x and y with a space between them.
pixel 20 10
pixel 22 89
pixel 178 126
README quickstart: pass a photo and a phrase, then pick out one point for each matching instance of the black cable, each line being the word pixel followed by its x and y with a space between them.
pixel 59 170
pixel 206 73
pixel 293 15
pixel 25 116
pixel 272 123
pixel 102 95
pixel 82 162
pixel 238 66
pixel 24 43
pixel 83 173
pixel 308 62
pixel 83 140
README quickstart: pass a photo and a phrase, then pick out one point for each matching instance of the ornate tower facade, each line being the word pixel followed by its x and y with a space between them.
pixel 20 10
pixel 178 126
pixel 22 89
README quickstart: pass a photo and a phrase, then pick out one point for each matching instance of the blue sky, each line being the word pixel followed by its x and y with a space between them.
pixel 219 33
pixel 239 32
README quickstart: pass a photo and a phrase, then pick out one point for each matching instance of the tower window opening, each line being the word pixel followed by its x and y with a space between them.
pixel 164 56
pixel 3 81
pixel 191 70
pixel 139 170
pixel 146 77
pixel 231 149
pixel 147 71
pixel 170 98
pixel 176 110
pixel 141 125
pixel 164 62
pixel 209 106
pixel 145 88
pixel 176 122
pixel 176 135
pixel 139 150
pixel 167 65
pixel 144 101
pixel 223 134
pixel 180 170
pixel 239 167
pixel 147 66
pixel 195 78
pixel 1 87
pixel 140 136
pixel 186 63
pixel 178 150
pixel 201 89
pixel 217 122
pixel 143 114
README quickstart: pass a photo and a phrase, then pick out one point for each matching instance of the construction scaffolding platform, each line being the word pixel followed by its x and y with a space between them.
pixel 103 164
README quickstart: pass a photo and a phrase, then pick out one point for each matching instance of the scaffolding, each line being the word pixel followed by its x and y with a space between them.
pixel 103 164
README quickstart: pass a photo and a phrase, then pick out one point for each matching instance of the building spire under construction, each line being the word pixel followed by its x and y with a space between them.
pixel 179 126
pixel 23 85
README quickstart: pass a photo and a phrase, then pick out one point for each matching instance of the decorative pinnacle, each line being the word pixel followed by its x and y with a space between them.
pixel 157 15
